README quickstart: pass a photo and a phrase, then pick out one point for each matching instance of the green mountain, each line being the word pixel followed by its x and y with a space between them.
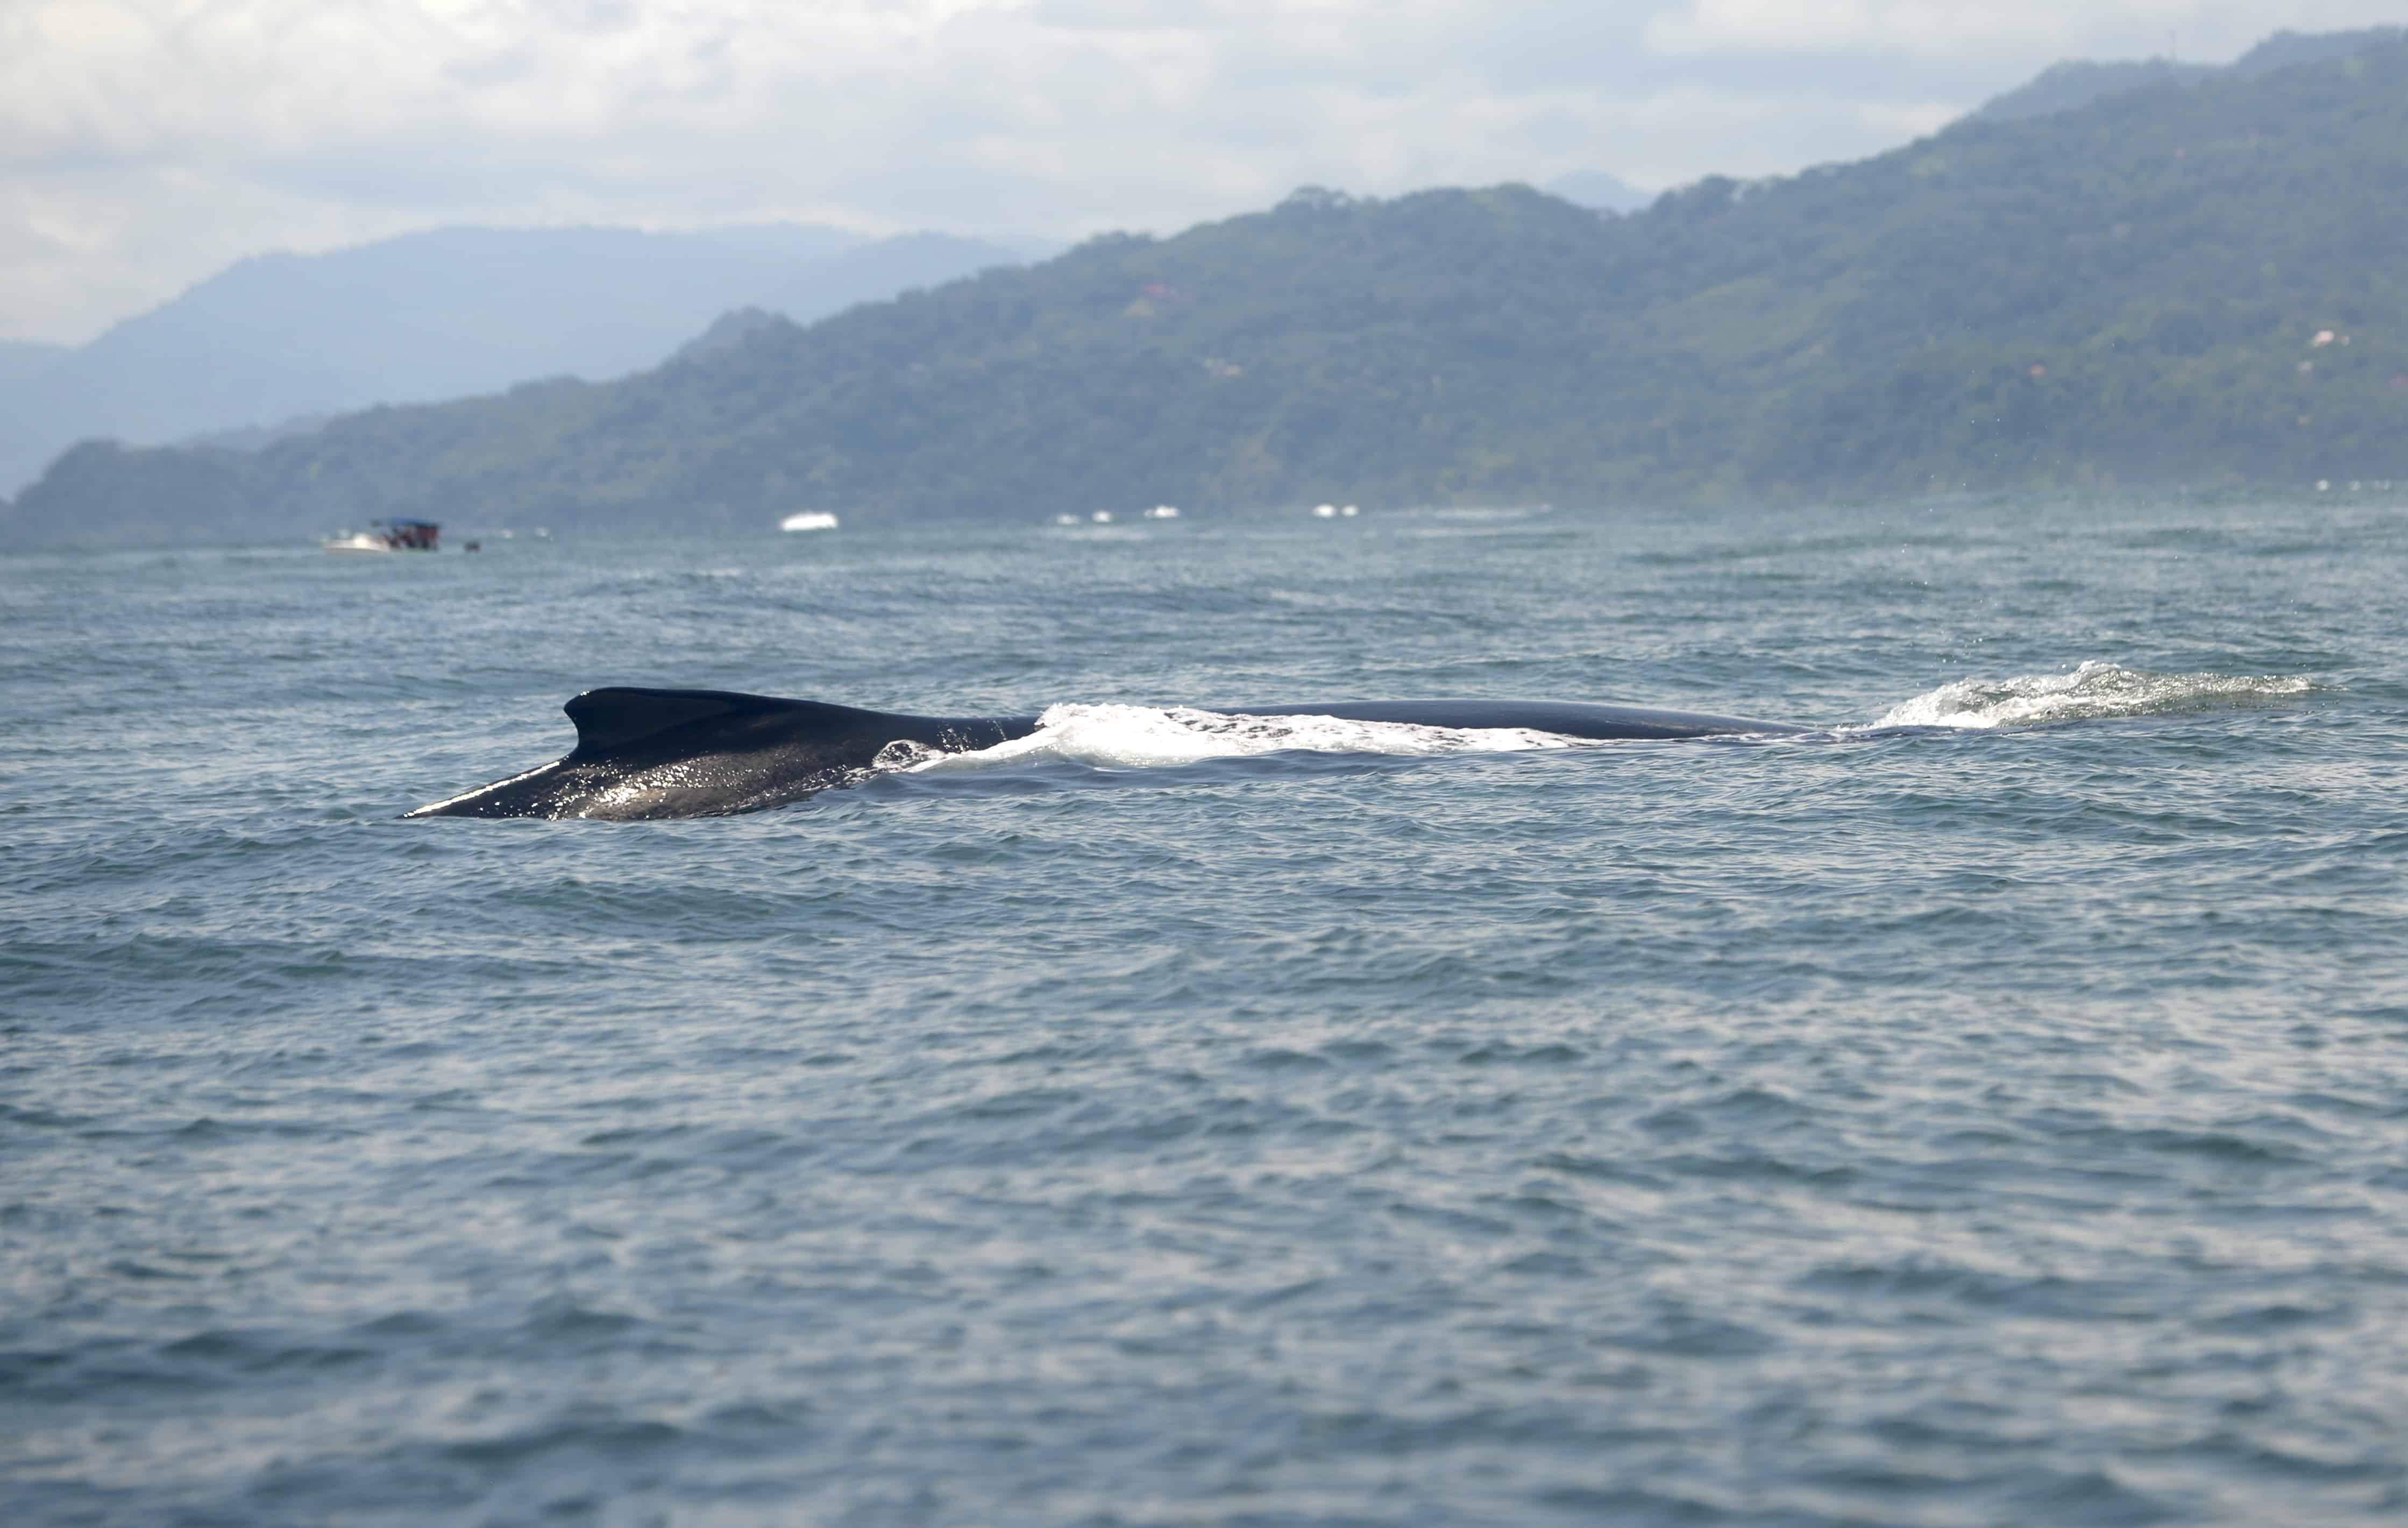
pixel 2192 284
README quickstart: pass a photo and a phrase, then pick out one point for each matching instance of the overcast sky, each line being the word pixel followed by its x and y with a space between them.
pixel 146 143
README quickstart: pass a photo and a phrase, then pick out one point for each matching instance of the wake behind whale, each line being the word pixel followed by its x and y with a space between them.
pixel 646 753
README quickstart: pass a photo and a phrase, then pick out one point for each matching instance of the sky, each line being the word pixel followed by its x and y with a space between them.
pixel 145 144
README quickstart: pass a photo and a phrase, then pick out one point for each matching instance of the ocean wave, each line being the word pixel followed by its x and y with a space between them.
pixel 2093 691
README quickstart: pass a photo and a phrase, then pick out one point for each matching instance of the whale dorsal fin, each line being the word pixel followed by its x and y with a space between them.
pixel 609 719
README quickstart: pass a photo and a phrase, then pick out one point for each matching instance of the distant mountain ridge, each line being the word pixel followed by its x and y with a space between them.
pixel 433 315
pixel 2196 286
pixel 2077 83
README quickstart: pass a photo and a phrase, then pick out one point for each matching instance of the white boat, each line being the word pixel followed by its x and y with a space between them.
pixel 808 520
pixel 1101 517
pixel 1163 511
pixel 357 541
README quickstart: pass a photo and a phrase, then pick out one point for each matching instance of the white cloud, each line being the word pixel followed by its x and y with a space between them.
pixel 144 143
pixel 1939 28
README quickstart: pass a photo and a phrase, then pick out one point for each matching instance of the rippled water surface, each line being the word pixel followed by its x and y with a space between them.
pixel 1989 1108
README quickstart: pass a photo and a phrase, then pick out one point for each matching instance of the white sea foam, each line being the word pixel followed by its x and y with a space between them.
pixel 2095 689
pixel 1141 736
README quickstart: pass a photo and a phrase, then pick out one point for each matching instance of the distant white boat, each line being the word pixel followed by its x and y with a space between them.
pixel 808 520
pixel 357 541
pixel 1163 511
pixel 1101 517
pixel 1065 519
pixel 1325 511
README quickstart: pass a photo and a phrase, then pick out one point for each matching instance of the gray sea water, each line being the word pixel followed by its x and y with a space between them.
pixel 1991 1108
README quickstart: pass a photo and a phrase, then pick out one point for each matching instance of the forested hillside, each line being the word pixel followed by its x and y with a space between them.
pixel 2191 282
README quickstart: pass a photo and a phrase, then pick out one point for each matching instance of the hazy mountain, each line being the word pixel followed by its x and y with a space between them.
pixel 2194 285
pixel 23 358
pixel 874 271
pixel 2064 87
pixel 1597 189
pixel 260 436
pixel 2288 50
pixel 727 331
pixel 434 315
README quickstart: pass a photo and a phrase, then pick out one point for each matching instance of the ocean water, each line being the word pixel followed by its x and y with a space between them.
pixel 1989 1108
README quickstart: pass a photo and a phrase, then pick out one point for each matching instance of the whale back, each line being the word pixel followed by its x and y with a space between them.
pixel 610 719
pixel 610 722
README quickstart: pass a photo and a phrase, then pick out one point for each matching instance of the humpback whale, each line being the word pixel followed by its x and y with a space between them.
pixel 657 753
